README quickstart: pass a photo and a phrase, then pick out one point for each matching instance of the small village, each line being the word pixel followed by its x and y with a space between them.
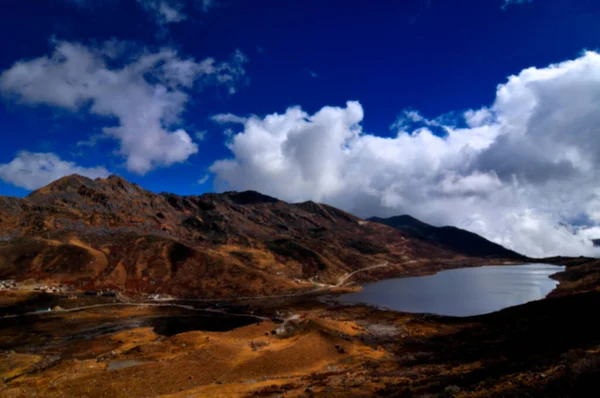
pixel 44 288
pixel 8 285
pixel 60 289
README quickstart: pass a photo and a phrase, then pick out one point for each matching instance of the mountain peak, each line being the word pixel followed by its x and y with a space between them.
pixel 250 197
pixel 77 190
pixel 65 183
pixel 404 220
pixel 115 178
pixel 116 181
pixel 454 239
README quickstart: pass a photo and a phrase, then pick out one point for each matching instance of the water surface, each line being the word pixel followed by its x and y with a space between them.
pixel 461 292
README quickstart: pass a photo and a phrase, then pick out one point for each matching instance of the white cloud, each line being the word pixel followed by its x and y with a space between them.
pixel 225 118
pixel 34 170
pixel 146 96
pixel 200 135
pixel 164 11
pixel 521 171
pixel 478 118
pixel 410 117
pixel 203 179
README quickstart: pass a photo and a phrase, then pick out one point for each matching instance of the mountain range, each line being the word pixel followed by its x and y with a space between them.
pixel 451 238
pixel 112 234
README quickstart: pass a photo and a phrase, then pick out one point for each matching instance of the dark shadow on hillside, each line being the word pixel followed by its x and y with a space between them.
pixel 526 339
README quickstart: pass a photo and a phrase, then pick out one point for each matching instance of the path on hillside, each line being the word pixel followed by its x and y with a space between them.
pixel 344 278
pixel 144 304
pixel 323 288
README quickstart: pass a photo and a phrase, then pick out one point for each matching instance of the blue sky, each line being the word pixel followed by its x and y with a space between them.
pixel 431 56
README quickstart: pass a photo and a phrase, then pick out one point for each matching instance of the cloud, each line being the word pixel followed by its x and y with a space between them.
pixel 34 170
pixel 410 118
pixel 145 95
pixel 509 2
pixel 200 135
pixel 225 118
pixel 521 172
pixel 203 179
pixel 164 11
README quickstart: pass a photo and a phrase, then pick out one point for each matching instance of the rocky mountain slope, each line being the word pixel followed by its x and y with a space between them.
pixel 452 238
pixel 109 233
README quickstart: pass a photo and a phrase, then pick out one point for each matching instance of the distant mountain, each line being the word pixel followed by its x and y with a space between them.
pixel 110 233
pixel 452 238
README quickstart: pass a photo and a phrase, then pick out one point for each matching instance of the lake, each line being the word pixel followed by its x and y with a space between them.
pixel 461 292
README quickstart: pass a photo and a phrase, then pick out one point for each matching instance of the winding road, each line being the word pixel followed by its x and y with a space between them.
pixel 340 283
pixel 144 304
pixel 344 278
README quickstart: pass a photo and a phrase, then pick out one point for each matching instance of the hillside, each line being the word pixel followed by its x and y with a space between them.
pixel 109 233
pixel 452 238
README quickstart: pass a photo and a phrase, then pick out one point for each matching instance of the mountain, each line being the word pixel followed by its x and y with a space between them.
pixel 114 234
pixel 452 238
pixel 110 233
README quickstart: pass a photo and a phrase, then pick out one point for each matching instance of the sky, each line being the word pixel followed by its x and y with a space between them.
pixel 481 114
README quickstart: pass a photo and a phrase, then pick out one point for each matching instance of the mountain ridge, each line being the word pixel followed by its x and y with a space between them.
pixel 110 233
pixel 450 237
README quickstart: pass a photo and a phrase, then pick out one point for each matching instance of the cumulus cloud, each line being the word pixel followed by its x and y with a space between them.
pixel 164 11
pixel 521 172
pixel 146 94
pixel 34 170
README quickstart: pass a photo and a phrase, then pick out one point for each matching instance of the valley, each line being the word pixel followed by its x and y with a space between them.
pixel 110 290
pixel 299 199
pixel 299 347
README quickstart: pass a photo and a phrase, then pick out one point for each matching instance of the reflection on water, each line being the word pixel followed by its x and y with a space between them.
pixel 461 292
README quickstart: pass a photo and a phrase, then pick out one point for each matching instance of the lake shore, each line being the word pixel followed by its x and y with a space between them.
pixel 311 348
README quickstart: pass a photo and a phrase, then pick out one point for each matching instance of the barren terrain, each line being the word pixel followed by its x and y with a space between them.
pixel 111 234
pixel 113 291
pixel 301 347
